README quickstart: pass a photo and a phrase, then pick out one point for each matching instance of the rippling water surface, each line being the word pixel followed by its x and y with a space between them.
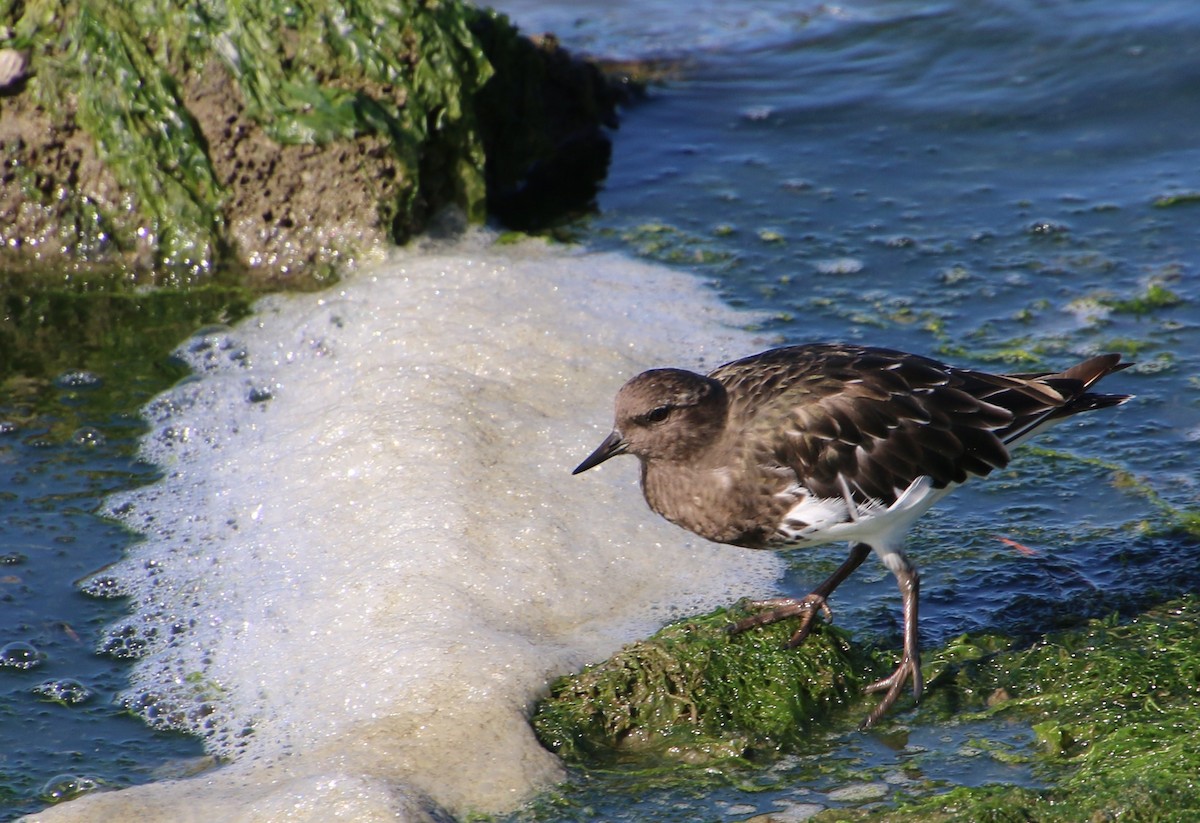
pixel 1005 184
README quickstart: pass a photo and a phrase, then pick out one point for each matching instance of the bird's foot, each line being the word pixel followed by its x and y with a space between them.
pixel 891 686
pixel 782 608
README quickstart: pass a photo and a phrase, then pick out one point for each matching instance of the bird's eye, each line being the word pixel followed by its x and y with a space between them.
pixel 658 415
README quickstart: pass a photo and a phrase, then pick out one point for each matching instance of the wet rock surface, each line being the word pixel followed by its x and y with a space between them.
pixel 178 146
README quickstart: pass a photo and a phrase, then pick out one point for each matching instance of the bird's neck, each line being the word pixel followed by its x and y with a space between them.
pixel 705 496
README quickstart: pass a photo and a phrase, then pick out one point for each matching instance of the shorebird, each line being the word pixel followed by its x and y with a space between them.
pixel 812 444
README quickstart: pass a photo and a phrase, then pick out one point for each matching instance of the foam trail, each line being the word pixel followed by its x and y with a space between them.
pixel 367 556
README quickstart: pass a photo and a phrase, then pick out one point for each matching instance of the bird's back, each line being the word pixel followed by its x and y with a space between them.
pixel 868 421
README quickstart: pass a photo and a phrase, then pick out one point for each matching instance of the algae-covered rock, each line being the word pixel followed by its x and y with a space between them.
pixel 695 693
pixel 1114 706
pixel 174 136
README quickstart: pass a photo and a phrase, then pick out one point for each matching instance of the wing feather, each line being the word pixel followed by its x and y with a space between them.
pixel 876 419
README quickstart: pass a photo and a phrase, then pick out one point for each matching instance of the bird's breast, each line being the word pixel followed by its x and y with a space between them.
pixel 721 503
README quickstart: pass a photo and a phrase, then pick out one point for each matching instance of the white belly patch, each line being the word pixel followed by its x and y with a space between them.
pixel 814 520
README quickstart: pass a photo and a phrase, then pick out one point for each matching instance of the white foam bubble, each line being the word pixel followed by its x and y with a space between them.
pixel 367 556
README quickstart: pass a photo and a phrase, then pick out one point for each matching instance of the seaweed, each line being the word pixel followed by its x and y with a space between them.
pixel 407 74
pixel 1114 706
pixel 693 693
pixel 133 109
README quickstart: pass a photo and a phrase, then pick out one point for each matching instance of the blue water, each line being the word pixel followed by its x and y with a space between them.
pixel 64 449
pixel 972 180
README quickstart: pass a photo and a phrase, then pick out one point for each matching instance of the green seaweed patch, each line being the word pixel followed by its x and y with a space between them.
pixel 886 313
pixel 1114 707
pixel 1185 198
pixel 1172 519
pixel 696 694
pixel 1028 354
pixel 1155 296
pixel 133 108
pixel 668 244
pixel 404 71
pixel 1130 346
pixel 1022 353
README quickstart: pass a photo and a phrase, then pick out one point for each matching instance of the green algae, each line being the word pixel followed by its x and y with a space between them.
pixel 415 78
pixel 132 106
pixel 1154 297
pixel 695 694
pixel 1022 353
pixel 1167 201
pixel 1114 706
pixel 105 328
pixel 310 72
pixel 1171 519
pixel 665 243
pixel 881 313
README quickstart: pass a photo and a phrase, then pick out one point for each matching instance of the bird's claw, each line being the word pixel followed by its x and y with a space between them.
pixel 783 608
pixel 910 667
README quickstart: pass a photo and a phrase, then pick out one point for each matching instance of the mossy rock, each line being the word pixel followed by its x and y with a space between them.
pixel 158 136
pixel 694 693
pixel 1115 707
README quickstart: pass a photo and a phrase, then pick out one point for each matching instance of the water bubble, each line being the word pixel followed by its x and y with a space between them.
pixel 1049 228
pixel 175 434
pixel 78 379
pixel 89 437
pixel 124 643
pixel 103 586
pixel 64 690
pixel 202 342
pixel 18 655
pixel 162 409
pixel 162 712
pixel 66 787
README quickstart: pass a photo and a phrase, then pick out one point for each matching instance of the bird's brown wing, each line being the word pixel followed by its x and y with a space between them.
pixel 870 421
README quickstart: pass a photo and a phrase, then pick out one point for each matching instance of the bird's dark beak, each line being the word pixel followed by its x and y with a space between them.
pixel 611 447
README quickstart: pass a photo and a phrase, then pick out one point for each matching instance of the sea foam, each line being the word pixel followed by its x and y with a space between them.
pixel 367 556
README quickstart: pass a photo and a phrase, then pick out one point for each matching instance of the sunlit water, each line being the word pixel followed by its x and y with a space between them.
pixel 366 557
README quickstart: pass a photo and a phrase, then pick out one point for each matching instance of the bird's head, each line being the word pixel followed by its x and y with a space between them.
pixel 664 414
